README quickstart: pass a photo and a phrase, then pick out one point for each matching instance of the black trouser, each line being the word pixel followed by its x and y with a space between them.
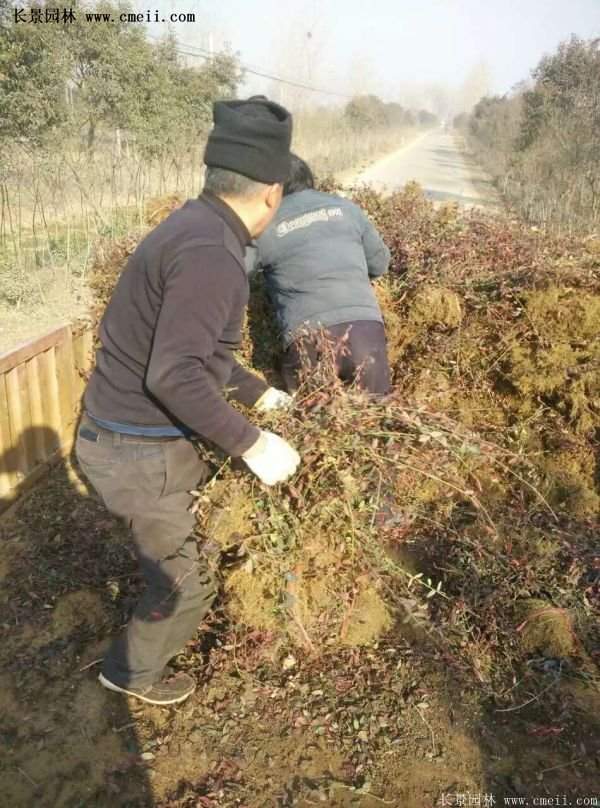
pixel 147 483
pixel 361 358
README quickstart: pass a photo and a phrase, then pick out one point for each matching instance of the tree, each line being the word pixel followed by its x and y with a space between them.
pixel 567 89
pixel 426 118
pixel 111 66
pixel 366 111
pixel 33 74
pixel 396 115
pixel 103 77
pixel 543 141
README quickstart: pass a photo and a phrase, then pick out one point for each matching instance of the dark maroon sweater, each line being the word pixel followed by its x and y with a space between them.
pixel 171 327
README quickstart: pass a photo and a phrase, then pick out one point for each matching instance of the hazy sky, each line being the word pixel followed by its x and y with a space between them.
pixel 387 44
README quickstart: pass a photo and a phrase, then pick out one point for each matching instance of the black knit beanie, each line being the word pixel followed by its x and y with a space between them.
pixel 252 138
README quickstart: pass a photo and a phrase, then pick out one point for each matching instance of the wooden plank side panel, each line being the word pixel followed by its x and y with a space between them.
pixel 26 437
pixel 51 395
pixel 8 475
pixel 41 386
pixel 67 393
pixel 41 447
pixel 11 359
pixel 17 457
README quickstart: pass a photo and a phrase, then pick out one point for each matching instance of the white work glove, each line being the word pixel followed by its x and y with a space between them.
pixel 271 458
pixel 273 399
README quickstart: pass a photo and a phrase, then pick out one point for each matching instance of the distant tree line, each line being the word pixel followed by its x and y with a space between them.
pixel 369 111
pixel 542 142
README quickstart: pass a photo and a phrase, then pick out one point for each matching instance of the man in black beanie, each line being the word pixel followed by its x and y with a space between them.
pixel 165 359
pixel 251 138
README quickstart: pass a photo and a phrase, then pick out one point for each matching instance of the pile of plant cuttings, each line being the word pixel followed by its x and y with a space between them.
pixel 463 504
pixel 458 515
pixel 401 516
pixel 479 473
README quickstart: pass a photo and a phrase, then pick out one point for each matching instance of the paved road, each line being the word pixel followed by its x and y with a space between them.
pixel 436 161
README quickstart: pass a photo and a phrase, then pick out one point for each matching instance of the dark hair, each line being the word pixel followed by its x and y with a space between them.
pixel 222 182
pixel 300 177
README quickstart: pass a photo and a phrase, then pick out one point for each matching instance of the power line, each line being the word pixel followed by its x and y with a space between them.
pixel 204 54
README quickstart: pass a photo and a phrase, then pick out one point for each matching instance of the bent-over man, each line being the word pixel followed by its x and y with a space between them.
pixel 166 356
pixel 318 256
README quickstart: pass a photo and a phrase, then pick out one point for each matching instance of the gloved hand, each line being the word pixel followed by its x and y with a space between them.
pixel 271 458
pixel 273 399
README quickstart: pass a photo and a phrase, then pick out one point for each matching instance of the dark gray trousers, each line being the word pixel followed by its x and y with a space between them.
pixel 147 484
pixel 361 357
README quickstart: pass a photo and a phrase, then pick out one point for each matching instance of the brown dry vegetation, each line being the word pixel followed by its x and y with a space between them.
pixel 415 615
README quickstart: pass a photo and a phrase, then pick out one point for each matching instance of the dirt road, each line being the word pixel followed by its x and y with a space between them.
pixel 438 163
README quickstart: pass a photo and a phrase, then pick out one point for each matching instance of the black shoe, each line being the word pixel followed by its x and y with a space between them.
pixel 170 690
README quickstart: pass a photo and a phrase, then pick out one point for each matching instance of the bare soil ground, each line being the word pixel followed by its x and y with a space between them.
pixel 387 723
